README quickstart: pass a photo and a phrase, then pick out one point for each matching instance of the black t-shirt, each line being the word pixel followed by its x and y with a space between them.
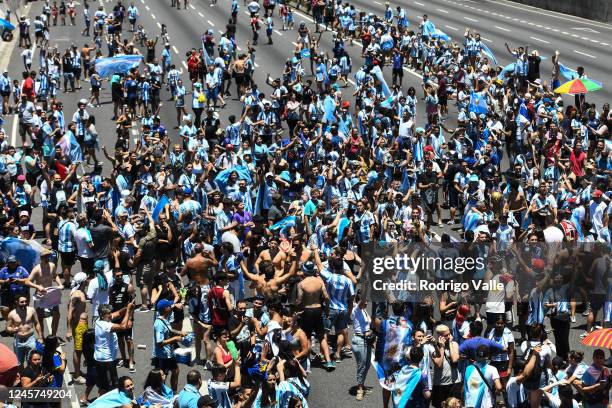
pixel 102 235
pixel 510 127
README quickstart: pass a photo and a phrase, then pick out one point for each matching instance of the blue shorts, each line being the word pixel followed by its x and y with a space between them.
pixel 338 320
pixel 211 94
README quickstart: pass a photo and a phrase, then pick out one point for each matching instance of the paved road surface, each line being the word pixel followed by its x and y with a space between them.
pixel 581 42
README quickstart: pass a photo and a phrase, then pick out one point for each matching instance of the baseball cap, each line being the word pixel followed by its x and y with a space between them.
pixel 11 259
pixel 597 193
pixel 21 177
pixel 24 214
pixel 164 303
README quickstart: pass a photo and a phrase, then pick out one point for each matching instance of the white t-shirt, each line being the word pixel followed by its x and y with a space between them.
pixel 106 342
pixel 471 394
pixel 83 239
pixel 496 298
pixel 555 401
pixel 96 295
pixel 516 393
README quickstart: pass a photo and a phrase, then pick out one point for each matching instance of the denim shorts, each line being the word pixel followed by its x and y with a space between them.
pixel 338 320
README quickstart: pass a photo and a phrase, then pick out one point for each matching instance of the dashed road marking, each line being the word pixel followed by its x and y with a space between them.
pixel 200 14
pixel 585 54
pixel 278 32
pixel 451 28
pixel 470 19
pixel 175 50
pixel 184 64
pixel 191 7
pixel 442 11
pixel 153 16
pixel 540 40
pixel 147 7
pixel 418 4
pixel 378 2
pixel 486 39
pixel 502 28
pixel 210 23
pixel 158 24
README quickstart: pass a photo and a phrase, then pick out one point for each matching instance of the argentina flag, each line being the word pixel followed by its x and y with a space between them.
pixel 429 28
pixel 120 64
pixel 478 104
pixel 439 34
pixel 487 51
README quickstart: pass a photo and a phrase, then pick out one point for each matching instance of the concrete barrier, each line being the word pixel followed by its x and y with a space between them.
pixel 600 10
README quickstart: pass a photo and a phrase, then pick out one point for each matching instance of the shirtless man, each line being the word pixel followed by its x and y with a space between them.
pixel 23 323
pixel 272 254
pixel 76 321
pixel 311 296
pixel 197 268
pixel 44 275
pixel 267 284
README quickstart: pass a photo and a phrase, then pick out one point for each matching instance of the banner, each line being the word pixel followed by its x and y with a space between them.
pixel 120 64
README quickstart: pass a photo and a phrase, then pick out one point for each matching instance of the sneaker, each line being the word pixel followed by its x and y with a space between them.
pixel 208 365
pixel 587 309
pixel 143 309
pixel 583 335
pixel 132 367
pixel 359 395
pixel 337 358
pixel 450 222
pixel 79 380
pixel 329 366
pixel 346 352
pixel 573 319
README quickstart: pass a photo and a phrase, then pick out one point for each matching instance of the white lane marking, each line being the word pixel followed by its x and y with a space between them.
pixel 74 398
pixel 604 43
pixel 471 19
pixel 256 65
pixel 486 39
pixel 278 32
pixel 192 7
pixel 200 14
pixel 451 28
pixel 588 30
pixel 378 2
pixel 442 11
pixel 158 24
pixel 413 73
pixel 14 134
pixel 585 54
pixel 539 39
pixel 502 28
pixel 147 7
pixel 175 50
pixel 184 64
pixel 294 43
pixel 210 23
pixel 595 41
pixel 142 1
pixel 350 81
pixel 418 4
pixel 153 16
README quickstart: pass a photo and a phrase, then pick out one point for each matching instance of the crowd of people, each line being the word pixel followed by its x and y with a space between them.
pixel 241 236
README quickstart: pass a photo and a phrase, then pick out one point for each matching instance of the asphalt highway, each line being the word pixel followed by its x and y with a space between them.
pixel 581 42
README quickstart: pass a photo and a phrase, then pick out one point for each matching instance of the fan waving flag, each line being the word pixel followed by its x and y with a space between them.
pixel 120 64
pixel 505 71
pixel 478 104
pixel 243 174
pixel 441 35
pixel 161 205
pixel 489 53
pixel 383 84
pixel 428 28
